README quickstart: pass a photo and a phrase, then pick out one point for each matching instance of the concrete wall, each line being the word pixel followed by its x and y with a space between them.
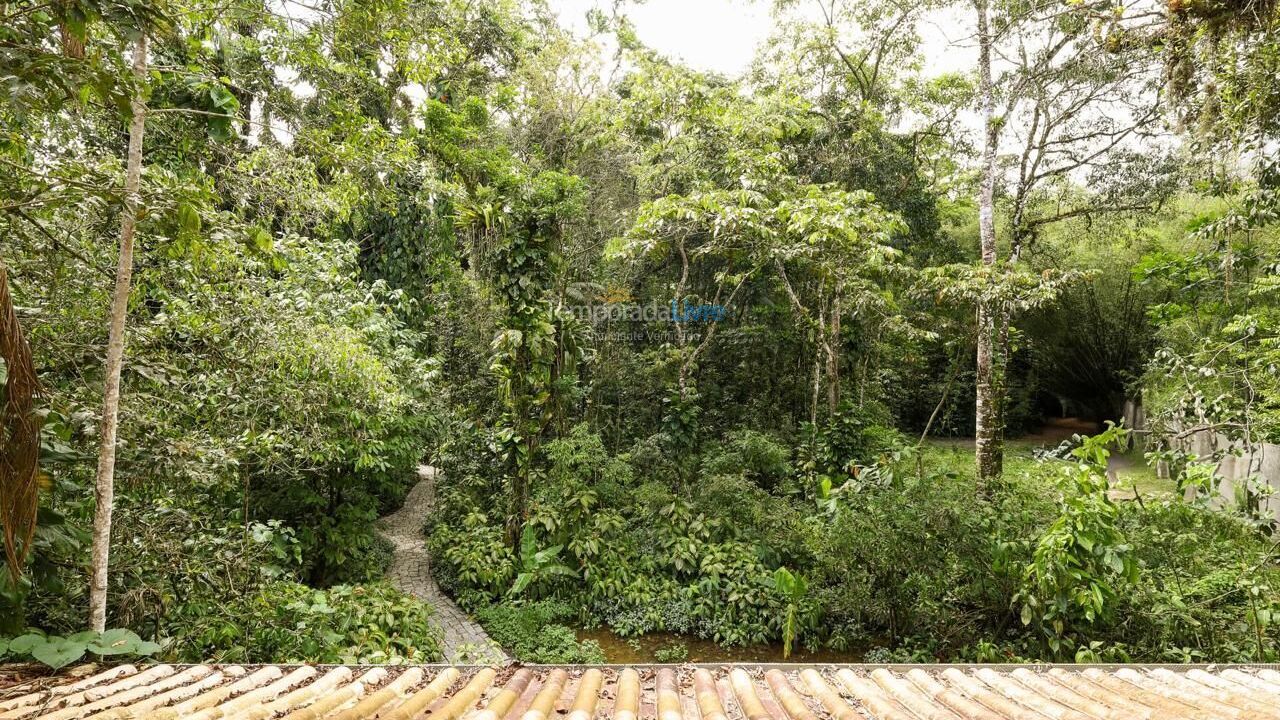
pixel 1237 465
pixel 1135 419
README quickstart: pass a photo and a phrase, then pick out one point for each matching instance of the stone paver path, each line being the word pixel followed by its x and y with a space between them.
pixel 410 571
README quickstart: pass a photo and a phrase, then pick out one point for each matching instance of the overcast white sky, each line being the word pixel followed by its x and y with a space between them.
pixel 721 35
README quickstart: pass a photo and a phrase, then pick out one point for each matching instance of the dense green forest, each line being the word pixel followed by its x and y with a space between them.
pixel 776 358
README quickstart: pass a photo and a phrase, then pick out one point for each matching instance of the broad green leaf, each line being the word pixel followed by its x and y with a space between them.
pixel 23 644
pixel 117 641
pixel 522 582
pixel 188 219
pixel 146 647
pixel 58 652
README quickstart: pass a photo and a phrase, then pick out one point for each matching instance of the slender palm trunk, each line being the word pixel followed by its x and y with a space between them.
pixel 989 454
pixel 104 492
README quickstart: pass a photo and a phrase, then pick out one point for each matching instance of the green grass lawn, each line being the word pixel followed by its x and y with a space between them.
pixel 1132 471
pixel 956 455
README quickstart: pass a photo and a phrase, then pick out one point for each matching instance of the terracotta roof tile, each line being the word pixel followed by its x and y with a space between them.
pixel 854 692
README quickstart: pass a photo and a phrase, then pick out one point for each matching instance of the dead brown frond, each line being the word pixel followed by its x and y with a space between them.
pixel 19 435
pixel 72 45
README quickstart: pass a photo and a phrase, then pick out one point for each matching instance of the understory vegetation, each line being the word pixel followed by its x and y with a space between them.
pixel 905 560
pixel 782 357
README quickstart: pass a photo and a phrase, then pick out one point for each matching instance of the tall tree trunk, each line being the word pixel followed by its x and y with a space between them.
pixel 833 357
pixel 1020 237
pixel 105 487
pixel 989 453
pixel 817 383
pixel 518 502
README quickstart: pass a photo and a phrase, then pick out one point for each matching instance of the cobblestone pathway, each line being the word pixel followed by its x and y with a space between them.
pixel 464 641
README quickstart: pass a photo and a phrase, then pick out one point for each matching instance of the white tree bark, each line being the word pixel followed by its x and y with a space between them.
pixel 104 492
pixel 989 454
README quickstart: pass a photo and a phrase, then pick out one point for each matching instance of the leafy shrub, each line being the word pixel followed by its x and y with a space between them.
pixel 651 460
pixel 907 652
pixel 1082 556
pixel 799 613
pixel 580 457
pixel 899 553
pixel 538 566
pixel 57 544
pixel 905 551
pixel 675 652
pixel 272 389
pixel 477 565
pixel 58 652
pixel 852 436
pixel 776 525
pixel 282 386
pixel 753 455
pixel 534 633
pixel 207 590
pixel 176 564
pixel 286 621
pixel 1206 586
